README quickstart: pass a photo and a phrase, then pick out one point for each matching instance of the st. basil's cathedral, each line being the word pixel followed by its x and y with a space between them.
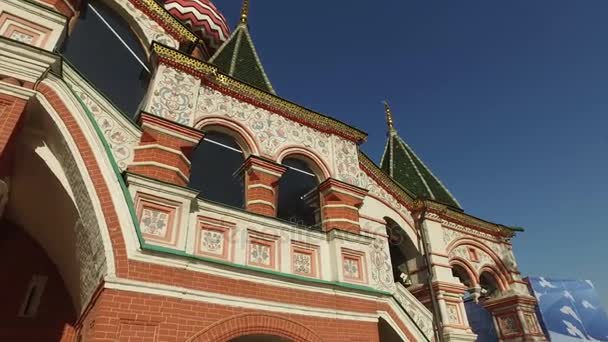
pixel 155 187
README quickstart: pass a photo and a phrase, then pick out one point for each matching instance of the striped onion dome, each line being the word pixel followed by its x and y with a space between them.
pixel 203 18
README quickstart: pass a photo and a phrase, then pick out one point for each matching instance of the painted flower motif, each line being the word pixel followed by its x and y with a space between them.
pixel 453 314
pixel 260 254
pixel 351 268
pixel 154 222
pixel 213 241
pixel 302 263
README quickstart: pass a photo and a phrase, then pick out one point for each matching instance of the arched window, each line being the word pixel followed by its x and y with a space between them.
pixel 105 51
pixel 489 285
pixel 215 165
pixel 298 201
pixel 403 251
pixel 462 275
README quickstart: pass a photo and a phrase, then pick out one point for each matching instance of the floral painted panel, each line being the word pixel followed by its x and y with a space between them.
pixel 121 140
pixel 381 269
pixel 154 222
pixel 508 325
pixel 351 267
pixel 347 160
pixel 260 254
pixel 453 315
pixel 302 263
pixel 212 241
pixel 272 131
pixel 22 37
pixel 174 95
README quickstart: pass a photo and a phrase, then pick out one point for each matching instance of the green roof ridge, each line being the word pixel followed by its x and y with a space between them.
pixel 238 58
pixel 402 164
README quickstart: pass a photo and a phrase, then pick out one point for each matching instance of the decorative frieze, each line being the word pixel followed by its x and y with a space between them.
pixel 174 95
pixel 271 131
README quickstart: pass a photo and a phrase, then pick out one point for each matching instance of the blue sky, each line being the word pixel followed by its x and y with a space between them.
pixel 507 102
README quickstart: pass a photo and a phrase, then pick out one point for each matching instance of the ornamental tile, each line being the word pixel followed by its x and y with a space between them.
pixel 212 242
pixel 453 315
pixel 260 254
pixel 154 222
pixel 351 267
pixel 302 263
pixel 508 325
pixel 22 37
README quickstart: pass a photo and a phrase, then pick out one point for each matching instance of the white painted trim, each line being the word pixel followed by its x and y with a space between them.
pixel 164 148
pixel 16 91
pixel 234 301
pixel 262 186
pixel 169 132
pixel 261 202
pixel 257 168
pixel 162 166
pixel 340 220
pixel 345 192
pixel 340 206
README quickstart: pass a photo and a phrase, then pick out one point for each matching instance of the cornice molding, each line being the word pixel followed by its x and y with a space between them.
pixel 212 77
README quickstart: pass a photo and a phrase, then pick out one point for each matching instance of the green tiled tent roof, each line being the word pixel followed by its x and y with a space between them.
pixel 238 58
pixel 402 164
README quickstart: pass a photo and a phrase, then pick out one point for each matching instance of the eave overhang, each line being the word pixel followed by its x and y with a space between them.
pixel 212 77
pixel 407 199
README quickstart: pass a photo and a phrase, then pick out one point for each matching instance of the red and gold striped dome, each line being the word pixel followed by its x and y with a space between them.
pixel 203 18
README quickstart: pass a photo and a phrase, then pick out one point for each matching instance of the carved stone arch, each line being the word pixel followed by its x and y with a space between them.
pixel 501 281
pixel 316 163
pixel 468 242
pixel 243 136
pixel 250 324
pixel 71 225
pixel 109 206
pixel 466 266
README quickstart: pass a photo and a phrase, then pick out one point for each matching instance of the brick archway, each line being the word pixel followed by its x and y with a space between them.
pixel 250 324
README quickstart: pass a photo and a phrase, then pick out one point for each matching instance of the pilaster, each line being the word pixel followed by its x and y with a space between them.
pixel 261 185
pixel 515 318
pixel 164 150
pixel 340 203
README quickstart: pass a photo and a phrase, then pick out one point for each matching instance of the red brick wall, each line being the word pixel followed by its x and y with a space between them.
pixel 11 110
pixel 133 317
pixel 20 258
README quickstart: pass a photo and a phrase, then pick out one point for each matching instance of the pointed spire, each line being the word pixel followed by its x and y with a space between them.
pixel 401 163
pixel 245 12
pixel 389 117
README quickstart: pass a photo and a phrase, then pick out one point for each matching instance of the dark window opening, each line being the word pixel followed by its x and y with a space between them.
pixel 215 165
pixel 298 201
pixel 462 275
pixel 403 252
pixel 489 285
pixel 113 65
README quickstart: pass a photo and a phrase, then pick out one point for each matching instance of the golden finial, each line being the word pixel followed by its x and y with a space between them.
pixel 245 11
pixel 389 117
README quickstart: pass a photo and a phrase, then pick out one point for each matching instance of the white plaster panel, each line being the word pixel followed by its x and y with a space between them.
pixel 272 132
pixel 120 133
